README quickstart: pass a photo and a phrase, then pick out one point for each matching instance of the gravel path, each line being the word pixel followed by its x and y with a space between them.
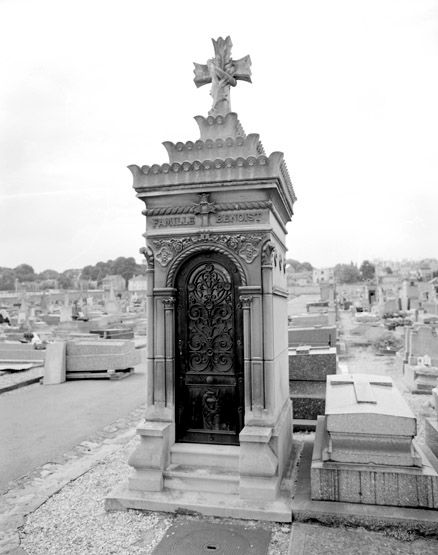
pixel 74 520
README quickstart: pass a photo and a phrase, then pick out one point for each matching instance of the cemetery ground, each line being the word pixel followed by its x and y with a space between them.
pixel 58 508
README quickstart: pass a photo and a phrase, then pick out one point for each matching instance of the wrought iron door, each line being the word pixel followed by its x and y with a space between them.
pixel 209 352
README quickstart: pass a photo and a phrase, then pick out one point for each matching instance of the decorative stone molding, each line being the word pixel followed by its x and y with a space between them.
pixel 245 245
pixel 203 247
pixel 168 302
pixel 228 169
pixel 191 208
pixel 149 255
pixel 169 210
pixel 205 165
pixel 268 253
pixel 229 124
pixel 204 207
pixel 222 147
pixel 245 300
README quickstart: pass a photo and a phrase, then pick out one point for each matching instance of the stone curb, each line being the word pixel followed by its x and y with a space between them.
pixel 17 385
pixel 20 502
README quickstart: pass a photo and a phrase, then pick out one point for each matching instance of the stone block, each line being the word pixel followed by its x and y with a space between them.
pixel 316 336
pixel 313 364
pixel 151 456
pixel 93 346
pixel 102 355
pixel 306 408
pixel 114 333
pixel 420 379
pixel 374 484
pixel 55 363
pixel 258 488
pixel 21 352
pixel 431 434
pixel 367 404
pixel 308 320
pixel 146 480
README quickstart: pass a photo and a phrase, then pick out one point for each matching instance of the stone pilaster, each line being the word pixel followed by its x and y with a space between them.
pixel 161 387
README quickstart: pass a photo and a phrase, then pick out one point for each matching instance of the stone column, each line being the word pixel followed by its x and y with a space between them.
pixel 169 350
pixel 268 323
pixel 251 301
pixel 161 384
pixel 150 314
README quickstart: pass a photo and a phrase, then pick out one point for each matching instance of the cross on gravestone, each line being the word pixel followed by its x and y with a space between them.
pixel 222 72
pixel 362 386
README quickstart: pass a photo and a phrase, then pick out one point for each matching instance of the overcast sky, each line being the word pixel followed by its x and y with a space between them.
pixel 348 90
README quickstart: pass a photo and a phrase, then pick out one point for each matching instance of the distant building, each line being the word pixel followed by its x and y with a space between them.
pixel 323 275
pixel 409 294
pixel 425 273
pixel 137 284
pixel 117 282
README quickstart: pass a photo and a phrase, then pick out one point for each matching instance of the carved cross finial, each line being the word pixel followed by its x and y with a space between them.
pixel 222 72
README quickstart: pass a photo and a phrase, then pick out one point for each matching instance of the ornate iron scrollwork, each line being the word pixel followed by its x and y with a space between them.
pixel 210 329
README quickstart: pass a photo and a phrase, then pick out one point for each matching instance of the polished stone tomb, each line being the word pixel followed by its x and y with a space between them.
pixel 365 449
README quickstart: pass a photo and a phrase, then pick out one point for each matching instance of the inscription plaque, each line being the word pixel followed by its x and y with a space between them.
pixel 238 217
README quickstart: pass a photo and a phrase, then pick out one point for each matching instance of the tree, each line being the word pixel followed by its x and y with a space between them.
pixel 388 270
pixel 7 279
pixel 367 270
pixel 24 272
pixel 65 280
pixel 299 266
pixel 347 273
pixel 306 267
pixel 48 274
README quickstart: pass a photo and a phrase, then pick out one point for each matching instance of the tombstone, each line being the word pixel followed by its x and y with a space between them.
pixel 44 302
pixel 65 314
pixel 309 367
pixel 218 402
pixel 23 312
pixel 111 304
pixel 423 341
pixel 365 449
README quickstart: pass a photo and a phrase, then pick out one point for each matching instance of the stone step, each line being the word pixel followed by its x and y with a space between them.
pixel 203 455
pixel 199 478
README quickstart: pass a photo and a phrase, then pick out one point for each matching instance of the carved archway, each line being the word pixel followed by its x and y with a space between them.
pixel 195 249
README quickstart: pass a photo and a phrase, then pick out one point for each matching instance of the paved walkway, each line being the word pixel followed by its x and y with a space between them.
pixel 38 424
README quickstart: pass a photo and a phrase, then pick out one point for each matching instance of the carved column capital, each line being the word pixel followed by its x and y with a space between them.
pixel 245 300
pixel 168 302
pixel 149 255
pixel 268 253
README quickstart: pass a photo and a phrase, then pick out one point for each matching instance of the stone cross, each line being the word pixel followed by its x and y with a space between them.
pixel 222 72
pixel 362 386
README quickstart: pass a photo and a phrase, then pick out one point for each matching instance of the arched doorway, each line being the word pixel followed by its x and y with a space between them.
pixel 209 394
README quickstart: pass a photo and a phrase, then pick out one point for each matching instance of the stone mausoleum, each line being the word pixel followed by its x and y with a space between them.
pixel 217 434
